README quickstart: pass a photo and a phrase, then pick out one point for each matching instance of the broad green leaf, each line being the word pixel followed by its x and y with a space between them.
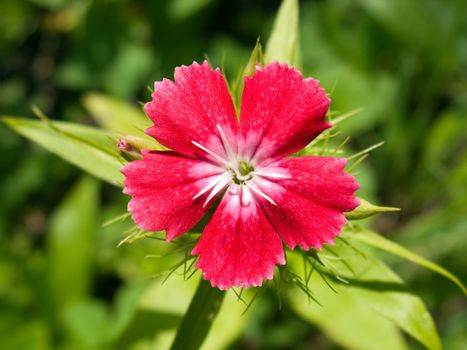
pixel 283 44
pixel 76 144
pixel 367 209
pixel 375 240
pixel 342 317
pixel 88 323
pixel 199 317
pixel 71 243
pixel 117 116
pixel 371 282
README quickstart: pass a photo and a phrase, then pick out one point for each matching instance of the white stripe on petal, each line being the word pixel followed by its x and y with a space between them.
pixel 271 175
pixel 213 182
pixel 226 179
pixel 246 196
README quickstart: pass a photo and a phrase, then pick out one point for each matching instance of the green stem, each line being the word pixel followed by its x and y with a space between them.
pixel 198 319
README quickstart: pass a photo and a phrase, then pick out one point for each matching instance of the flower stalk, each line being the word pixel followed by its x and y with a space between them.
pixel 199 317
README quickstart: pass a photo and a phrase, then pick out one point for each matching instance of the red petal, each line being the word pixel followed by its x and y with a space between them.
pixel 163 185
pixel 190 108
pixel 281 111
pixel 311 204
pixel 238 247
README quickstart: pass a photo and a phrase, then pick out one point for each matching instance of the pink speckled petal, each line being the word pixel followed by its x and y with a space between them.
pixel 281 112
pixel 311 203
pixel 238 247
pixel 190 108
pixel 162 186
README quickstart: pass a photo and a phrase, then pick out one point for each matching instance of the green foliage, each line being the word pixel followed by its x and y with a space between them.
pixel 359 327
pixel 197 321
pixel 363 281
pixel 73 242
pixel 378 241
pixel 75 143
pixel 116 116
pixel 283 44
pixel 66 285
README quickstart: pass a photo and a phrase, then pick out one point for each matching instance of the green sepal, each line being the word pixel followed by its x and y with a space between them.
pixel 367 209
pixel 256 58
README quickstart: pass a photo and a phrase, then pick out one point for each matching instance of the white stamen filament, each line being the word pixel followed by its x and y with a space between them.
pixel 232 174
pixel 259 192
pixel 227 146
pixel 211 153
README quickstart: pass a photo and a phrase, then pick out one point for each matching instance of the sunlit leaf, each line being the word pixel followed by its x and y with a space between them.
pixel 74 144
pixel 343 317
pixel 378 241
pixel 371 282
pixel 118 116
pixel 283 44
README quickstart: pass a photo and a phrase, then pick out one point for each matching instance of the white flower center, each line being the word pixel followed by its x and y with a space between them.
pixel 235 171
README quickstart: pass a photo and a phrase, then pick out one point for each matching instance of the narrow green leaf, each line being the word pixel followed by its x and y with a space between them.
pixel 375 240
pixel 367 209
pixel 101 139
pixel 85 147
pixel 117 116
pixel 283 44
pixel 199 317
pixel 71 243
pixel 366 150
pixel 342 117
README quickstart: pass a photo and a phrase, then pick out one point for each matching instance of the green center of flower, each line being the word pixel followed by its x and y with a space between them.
pixel 242 173
pixel 244 168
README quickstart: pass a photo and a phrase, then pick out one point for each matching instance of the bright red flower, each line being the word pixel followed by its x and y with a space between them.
pixel 267 198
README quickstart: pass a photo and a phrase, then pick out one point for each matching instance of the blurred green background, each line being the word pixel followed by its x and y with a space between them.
pixel 63 282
